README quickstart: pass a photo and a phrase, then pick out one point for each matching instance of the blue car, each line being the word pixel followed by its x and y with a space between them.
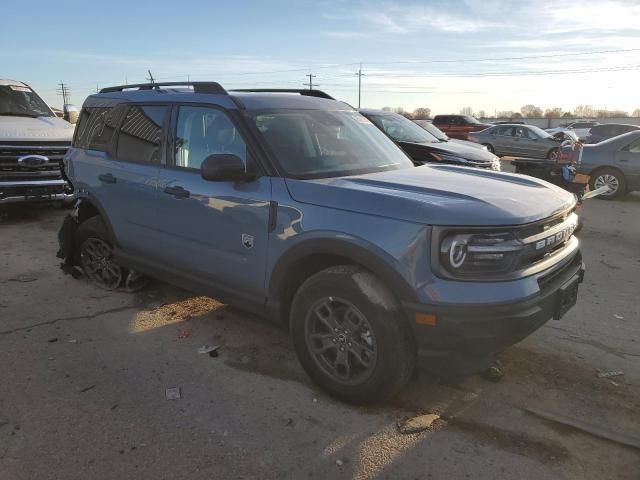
pixel 296 207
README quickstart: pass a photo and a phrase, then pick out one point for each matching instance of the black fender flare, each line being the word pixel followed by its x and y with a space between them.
pixel 95 203
pixel 360 253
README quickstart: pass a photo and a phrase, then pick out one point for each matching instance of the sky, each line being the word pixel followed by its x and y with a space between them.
pixel 489 55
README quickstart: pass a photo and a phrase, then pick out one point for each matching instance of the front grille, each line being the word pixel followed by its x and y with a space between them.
pixel 549 279
pixel 12 170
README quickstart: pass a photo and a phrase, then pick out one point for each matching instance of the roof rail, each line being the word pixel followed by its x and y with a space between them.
pixel 305 92
pixel 198 87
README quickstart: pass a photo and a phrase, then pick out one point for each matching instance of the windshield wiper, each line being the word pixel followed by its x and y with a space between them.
pixel 20 114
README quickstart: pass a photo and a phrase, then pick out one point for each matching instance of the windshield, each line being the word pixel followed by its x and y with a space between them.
pixel 538 131
pixel 470 119
pixel 21 101
pixel 320 143
pixel 401 129
pixel 433 130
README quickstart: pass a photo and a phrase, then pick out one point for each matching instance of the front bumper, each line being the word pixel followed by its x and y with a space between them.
pixel 58 190
pixel 465 339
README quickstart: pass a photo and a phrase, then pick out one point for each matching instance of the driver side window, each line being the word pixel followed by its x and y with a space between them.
pixel 204 131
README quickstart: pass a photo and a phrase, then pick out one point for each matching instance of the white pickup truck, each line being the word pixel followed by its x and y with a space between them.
pixel 33 142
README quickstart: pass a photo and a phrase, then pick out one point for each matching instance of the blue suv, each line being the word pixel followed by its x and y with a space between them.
pixel 294 206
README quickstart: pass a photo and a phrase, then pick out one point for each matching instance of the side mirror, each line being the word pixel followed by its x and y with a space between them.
pixel 70 113
pixel 223 167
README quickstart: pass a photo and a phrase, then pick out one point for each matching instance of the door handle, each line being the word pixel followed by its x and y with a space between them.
pixel 177 191
pixel 107 178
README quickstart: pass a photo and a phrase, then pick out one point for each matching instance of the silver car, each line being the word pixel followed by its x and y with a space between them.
pixel 519 141
pixel 614 163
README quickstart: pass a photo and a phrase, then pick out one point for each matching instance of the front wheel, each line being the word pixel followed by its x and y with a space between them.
pixel 554 154
pixel 609 177
pixel 489 148
pixel 350 336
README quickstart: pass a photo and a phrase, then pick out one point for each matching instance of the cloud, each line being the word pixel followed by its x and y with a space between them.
pixel 346 35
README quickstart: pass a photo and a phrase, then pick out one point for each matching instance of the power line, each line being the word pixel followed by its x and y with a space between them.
pixel 310 84
pixel 64 92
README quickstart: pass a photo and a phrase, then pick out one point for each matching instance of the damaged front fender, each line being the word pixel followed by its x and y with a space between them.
pixel 66 241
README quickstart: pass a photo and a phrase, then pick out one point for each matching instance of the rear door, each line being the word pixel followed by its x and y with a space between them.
pixel 628 160
pixel 503 138
pixel 123 150
pixel 215 232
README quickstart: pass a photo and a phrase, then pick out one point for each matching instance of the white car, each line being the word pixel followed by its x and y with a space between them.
pixel 581 129
pixel 33 142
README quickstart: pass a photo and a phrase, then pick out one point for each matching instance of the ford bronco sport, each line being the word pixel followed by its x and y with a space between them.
pixel 297 207
pixel 33 142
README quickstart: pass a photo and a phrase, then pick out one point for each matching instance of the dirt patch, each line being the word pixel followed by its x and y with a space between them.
pixel 276 361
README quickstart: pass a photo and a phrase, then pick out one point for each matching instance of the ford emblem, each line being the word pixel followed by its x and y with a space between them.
pixel 33 160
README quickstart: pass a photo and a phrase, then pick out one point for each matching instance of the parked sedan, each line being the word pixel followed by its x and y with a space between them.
pixel 614 163
pixel 443 137
pixel 608 130
pixel 422 147
pixel 520 141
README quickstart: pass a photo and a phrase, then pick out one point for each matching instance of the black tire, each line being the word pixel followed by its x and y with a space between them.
pixel 387 343
pixel 93 232
pixel 611 177
pixel 553 154
pixel 489 148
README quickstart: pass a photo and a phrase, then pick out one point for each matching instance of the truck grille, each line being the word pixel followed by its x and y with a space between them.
pixel 13 170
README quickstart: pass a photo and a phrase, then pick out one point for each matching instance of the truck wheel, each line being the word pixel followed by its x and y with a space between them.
pixel 94 255
pixel 350 335
pixel 554 154
pixel 489 148
pixel 612 178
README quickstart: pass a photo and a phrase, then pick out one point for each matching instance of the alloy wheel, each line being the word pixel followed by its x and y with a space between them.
pixel 607 180
pixel 95 257
pixel 340 340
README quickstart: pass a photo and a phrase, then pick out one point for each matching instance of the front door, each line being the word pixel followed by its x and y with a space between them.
pixel 628 160
pixel 216 232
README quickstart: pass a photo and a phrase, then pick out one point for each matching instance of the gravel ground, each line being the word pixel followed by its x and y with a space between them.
pixel 84 376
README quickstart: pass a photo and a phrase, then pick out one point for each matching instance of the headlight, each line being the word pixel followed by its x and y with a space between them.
pixel 468 254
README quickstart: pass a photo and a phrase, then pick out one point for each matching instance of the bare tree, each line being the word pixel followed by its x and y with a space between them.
pixel 636 113
pixel 387 109
pixel 482 114
pixel 504 114
pixel 466 111
pixel 555 112
pixel 585 111
pixel 530 111
pixel 398 110
pixel 421 113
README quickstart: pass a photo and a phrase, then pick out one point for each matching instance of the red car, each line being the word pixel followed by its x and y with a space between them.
pixel 458 126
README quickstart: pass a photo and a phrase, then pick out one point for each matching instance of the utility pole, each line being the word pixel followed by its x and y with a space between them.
pixel 310 84
pixel 150 77
pixel 64 92
pixel 360 74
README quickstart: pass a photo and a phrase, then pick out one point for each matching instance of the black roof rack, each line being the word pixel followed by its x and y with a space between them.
pixel 306 92
pixel 198 87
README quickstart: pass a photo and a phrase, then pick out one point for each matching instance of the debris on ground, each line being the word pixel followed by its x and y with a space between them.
pixel 618 316
pixel 23 279
pixel 86 389
pixel 184 334
pixel 53 340
pixel 72 340
pixel 315 400
pixel 494 373
pixel 339 462
pixel 212 351
pixel 288 422
pixel 174 393
pixel 595 430
pixel 610 374
pixel 417 424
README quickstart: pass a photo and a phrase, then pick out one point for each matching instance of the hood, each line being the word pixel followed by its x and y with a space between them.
pixel 420 151
pixel 35 129
pixel 439 195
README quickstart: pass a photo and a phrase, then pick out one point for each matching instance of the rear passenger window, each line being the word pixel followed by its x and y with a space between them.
pixel 504 131
pixel 96 127
pixel 203 131
pixel 140 136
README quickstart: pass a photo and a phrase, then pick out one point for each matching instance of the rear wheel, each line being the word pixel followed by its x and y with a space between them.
pixel 609 177
pixel 95 253
pixel 350 336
